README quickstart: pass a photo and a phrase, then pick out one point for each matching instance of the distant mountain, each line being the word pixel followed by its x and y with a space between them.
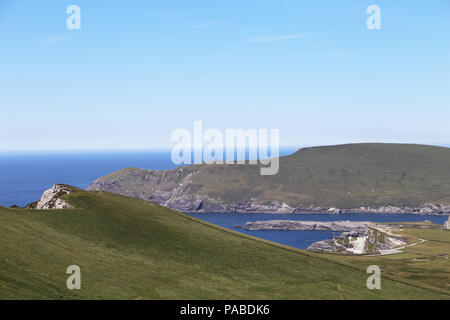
pixel 344 178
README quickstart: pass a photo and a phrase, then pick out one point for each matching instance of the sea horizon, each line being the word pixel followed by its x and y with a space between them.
pixel 283 149
pixel 26 175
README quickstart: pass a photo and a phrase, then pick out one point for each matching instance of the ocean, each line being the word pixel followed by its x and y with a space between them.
pixel 25 176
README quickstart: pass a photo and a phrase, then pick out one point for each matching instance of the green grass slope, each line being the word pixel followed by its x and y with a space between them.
pixel 132 249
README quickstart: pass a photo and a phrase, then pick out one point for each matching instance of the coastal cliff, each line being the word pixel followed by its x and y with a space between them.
pixel 358 178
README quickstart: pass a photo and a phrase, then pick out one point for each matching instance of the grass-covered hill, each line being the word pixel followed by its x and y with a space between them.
pixel 343 176
pixel 132 249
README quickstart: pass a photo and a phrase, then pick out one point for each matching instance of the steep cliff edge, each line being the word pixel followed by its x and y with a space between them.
pixel 376 178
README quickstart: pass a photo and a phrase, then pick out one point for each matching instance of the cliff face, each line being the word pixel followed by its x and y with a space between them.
pixel 177 189
pixel 171 188
pixel 374 178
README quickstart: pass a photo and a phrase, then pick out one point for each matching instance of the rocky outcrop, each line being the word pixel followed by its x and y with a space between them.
pixel 357 237
pixel 447 224
pixel 51 198
pixel 355 226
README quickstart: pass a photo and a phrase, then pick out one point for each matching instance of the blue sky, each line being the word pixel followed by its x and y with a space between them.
pixel 137 70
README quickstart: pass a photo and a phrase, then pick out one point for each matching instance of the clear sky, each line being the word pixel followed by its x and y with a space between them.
pixel 137 70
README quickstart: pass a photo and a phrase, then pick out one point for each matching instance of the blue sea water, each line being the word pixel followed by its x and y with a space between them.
pixel 24 176
pixel 303 239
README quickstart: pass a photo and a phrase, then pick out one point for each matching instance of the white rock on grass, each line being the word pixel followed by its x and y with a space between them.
pixel 51 198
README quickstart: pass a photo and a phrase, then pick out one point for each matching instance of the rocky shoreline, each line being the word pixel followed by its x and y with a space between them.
pixel 179 197
pixel 292 225
pixel 276 207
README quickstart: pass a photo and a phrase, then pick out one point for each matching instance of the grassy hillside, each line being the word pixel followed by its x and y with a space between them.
pixel 132 249
pixel 425 264
pixel 344 176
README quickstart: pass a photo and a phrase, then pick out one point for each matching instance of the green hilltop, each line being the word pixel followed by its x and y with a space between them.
pixel 343 176
pixel 133 249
